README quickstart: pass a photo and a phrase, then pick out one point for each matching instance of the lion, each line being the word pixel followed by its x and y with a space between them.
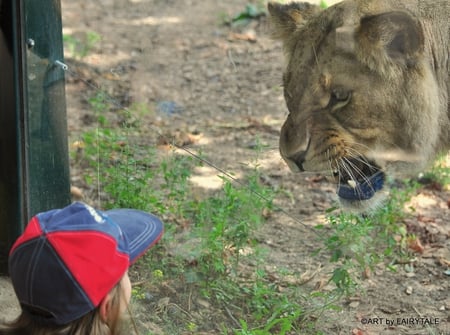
pixel 366 84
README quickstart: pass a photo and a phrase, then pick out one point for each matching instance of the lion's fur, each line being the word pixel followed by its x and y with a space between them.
pixel 390 58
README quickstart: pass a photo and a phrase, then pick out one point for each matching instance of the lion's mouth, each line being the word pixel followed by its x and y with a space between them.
pixel 358 179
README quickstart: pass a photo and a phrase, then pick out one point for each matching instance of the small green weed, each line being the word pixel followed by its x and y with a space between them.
pixel 272 310
pixel 358 243
pixel 251 12
pixel 225 224
pixel 323 4
pixel 80 48
pixel 440 172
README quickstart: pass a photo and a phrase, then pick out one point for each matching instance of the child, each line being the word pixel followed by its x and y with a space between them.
pixel 69 269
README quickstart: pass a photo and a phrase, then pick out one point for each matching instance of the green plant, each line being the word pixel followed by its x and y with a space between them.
pixel 358 243
pixel 121 169
pixel 137 293
pixel 176 171
pixel 251 12
pixel 440 172
pixel 80 47
pixel 323 4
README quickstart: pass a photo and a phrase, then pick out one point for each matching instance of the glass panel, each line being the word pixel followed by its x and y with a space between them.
pixel 47 173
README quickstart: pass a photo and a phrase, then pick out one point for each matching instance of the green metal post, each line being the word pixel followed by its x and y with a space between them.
pixel 34 163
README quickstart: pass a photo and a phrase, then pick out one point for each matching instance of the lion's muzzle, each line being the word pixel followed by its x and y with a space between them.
pixel 358 178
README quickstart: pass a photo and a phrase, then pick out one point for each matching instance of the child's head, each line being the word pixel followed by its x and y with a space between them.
pixel 70 266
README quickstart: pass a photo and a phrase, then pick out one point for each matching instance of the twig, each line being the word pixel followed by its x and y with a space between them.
pixel 232 317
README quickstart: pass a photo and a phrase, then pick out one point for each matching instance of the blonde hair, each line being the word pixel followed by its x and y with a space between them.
pixel 89 324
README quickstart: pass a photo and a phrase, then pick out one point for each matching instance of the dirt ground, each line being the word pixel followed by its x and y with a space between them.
pixel 216 88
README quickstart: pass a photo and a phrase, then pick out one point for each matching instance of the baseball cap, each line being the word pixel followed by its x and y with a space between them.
pixel 67 260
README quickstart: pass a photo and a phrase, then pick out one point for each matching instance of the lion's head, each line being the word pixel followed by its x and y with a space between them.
pixel 363 91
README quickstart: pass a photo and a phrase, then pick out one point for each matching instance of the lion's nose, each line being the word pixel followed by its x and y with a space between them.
pixel 295 161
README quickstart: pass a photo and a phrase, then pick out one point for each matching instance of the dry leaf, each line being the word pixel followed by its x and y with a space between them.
pixel 444 262
pixel 415 244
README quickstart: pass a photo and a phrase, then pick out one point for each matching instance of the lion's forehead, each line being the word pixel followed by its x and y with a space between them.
pixel 317 45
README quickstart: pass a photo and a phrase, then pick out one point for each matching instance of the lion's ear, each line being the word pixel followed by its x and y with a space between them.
pixel 286 19
pixel 394 36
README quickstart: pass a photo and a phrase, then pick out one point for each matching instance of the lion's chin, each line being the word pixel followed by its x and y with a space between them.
pixel 364 206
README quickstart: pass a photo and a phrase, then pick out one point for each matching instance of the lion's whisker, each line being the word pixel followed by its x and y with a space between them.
pixel 360 173
pixel 360 158
pixel 349 171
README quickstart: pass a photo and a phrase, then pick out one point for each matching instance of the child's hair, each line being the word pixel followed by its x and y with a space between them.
pixel 89 324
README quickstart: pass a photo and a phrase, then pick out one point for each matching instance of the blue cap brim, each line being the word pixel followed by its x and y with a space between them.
pixel 142 229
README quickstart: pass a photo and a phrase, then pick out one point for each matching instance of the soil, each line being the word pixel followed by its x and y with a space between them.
pixel 215 88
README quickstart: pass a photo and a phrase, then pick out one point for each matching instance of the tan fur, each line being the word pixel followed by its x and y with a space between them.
pixel 365 78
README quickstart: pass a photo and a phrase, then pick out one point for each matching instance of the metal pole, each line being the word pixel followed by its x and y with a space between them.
pixel 34 162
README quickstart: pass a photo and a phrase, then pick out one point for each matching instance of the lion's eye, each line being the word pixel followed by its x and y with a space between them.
pixel 340 94
pixel 339 98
